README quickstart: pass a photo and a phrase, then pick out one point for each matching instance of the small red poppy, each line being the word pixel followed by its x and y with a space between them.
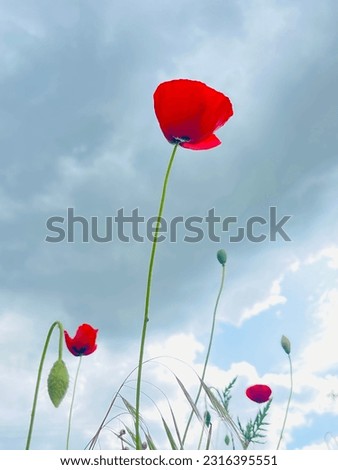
pixel 259 393
pixel 189 112
pixel 83 342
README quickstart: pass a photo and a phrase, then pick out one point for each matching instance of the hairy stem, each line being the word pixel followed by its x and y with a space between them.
pixel 72 403
pixel 147 301
pixel 288 404
pixel 207 355
pixel 38 380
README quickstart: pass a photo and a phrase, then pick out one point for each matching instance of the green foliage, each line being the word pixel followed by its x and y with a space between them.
pixel 225 396
pixel 150 442
pixel 217 407
pixel 170 437
pixel 222 412
pixel 254 430
pixel 189 398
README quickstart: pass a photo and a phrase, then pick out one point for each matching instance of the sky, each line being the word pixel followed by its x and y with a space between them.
pixel 78 130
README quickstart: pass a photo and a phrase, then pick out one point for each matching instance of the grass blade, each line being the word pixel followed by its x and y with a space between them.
pixel 150 442
pixel 189 398
pixel 129 407
pixel 169 435
pixel 176 426
pixel 132 435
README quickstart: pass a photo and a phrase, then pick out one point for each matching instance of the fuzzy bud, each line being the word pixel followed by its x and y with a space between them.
pixel 222 257
pixel 286 345
pixel 58 381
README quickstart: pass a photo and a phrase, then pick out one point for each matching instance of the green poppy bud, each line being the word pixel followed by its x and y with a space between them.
pixel 58 381
pixel 207 418
pixel 222 257
pixel 286 345
pixel 227 440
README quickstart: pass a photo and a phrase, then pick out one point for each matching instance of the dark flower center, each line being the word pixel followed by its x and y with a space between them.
pixel 180 140
pixel 80 351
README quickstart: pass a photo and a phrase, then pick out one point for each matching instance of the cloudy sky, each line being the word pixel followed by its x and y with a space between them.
pixel 78 130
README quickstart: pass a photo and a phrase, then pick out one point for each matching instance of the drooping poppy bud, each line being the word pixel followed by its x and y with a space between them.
pixel 84 341
pixel 189 112
pixel 259 393
pixel 58 381
pixel 222 257
pixel 286 345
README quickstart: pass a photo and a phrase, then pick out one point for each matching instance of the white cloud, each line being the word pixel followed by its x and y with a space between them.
pixel 319 354
pixel 274 298
pixel 330 253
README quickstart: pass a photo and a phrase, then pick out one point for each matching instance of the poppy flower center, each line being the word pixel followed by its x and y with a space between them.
pixel 180 140
pixel 80 351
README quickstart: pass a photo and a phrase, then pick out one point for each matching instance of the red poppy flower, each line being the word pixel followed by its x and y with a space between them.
pixel 259 393
pixel 189 112
pixel 83 342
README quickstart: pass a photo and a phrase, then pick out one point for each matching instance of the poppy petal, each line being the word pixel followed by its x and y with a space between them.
pixel 206 144
pixel 217 112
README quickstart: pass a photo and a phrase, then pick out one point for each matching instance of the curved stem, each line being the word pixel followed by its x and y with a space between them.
pixel 288 404
pixel 72 403
pixel 147 301
pixel 206 357
pixel 38 380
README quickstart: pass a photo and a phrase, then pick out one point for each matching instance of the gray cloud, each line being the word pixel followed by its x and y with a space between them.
pixel 77 129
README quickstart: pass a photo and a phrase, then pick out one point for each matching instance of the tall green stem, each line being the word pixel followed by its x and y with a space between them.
pixel 147 301
pixel 72 403
pixel 288 404
pixel 37 386
pixel 206 357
